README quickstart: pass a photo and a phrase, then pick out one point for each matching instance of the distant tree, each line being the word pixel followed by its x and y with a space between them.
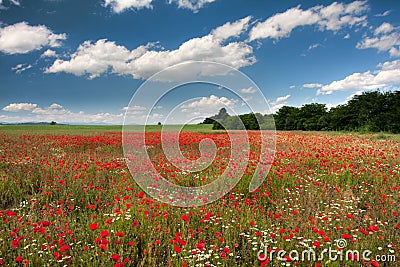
pixel 310 116
pixel 222 115
pixel 250 121
pixel 371 112
pixel 286 118
pixel 53 123
pixel 159 123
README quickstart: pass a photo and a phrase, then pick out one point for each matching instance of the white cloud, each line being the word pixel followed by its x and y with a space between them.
pixel 58 113
pixel 103 56
pixel 347 36
pixel 22 38
pixel 384 28
pixel 134 108
pixel 95 59
pixel 312 85
pixel 55 106
pixel 384 14
pixel 282 99
pixel 193 5
pixel 13 2
pixel 49 53
pixel 53 109
pixel 386 38
pixel 229 29
pixel 278 103
pixel 49 111
pixel 332 17
pixel 390 65
pixel 249 90
pixel 292 86
pixel 311 47
pixel 206 106
pixel 281 24
pixel 387 75
pixel 119 6
pixel 21 68
pixel 276 107
pixel 16 107
pixel 338 15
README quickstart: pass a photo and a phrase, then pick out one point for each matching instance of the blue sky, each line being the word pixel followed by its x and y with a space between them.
pixel 81 61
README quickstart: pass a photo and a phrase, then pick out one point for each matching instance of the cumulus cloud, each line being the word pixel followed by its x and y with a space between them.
pixel 387 74
pixel 384 28
pixel 385 38
pixel 193 5
pixel 278 103
pixel 229 29
pixel 390 65
pixel 49 53
pixel 312 85
pixel 313 46
pixel 103 56
pixel 13 2
pixel 97 58
pixel 21 68
pixel 332 17
pixel 22 38
pixel 134 108
pixel 282 99
pixel 16 107
pixel 53 109
pixel 55 106
pixel 206 106
pixel 249 90
pixel 56 112
pixel 384 14
pixel 119 6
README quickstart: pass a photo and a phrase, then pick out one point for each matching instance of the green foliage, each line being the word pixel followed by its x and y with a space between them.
pixel 369 112
pixel 373 111
pixel 222 115
pixel 250 121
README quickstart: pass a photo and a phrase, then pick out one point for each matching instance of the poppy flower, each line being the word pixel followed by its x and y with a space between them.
pixel 115 257
pixel 94 226
pixel 177 249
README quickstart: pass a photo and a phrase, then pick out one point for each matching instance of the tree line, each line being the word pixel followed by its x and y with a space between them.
pixel 373 111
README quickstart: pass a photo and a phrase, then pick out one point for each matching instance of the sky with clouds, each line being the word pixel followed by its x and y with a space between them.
pixel 82 61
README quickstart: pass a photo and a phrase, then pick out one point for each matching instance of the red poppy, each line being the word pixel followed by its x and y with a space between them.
pixel 104 234
pixel 94 226
pixel 115 257
pixel 177 249
pixel 346 236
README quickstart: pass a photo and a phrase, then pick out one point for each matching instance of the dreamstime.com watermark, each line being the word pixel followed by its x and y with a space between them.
pixel 340 253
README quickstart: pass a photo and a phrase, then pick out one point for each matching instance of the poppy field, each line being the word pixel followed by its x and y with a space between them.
pixel 68 199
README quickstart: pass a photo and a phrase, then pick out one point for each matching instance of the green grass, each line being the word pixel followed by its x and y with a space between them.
pixel 92 129
pixel 155 128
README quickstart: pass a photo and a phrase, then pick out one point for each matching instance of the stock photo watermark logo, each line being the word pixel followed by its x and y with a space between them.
pixel 340 253
pixel 145 104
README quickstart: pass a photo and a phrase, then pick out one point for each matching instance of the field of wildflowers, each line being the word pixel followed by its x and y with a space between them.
pixel 70 200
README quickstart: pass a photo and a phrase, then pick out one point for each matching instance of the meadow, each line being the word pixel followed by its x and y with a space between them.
pixel 67 198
